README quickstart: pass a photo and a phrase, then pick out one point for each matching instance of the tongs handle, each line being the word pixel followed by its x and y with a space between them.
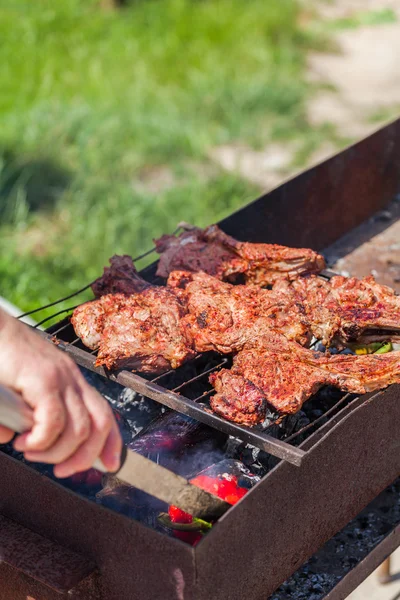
pixel 18 416
pixel 14 412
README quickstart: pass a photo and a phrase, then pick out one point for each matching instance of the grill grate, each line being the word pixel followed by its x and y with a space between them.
pixel 187 390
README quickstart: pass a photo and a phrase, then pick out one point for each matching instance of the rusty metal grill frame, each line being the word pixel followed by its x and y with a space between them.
pixel 171 396
pixel 291 512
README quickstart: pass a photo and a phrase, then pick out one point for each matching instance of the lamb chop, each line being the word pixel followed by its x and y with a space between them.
pixel 345 310
pixel 224 317
pixel 216 253
pixel 140 331
pixel 279 373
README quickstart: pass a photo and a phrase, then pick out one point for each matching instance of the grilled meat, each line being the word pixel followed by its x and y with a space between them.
pixel 152 329
pixel 216 253
pixel 162 327
pixel 224 317
pixel 345 310
pixel 89 319
pixel 156 327
pixel 120 277
pixel 277 372
pixel 142 332
pixel 191 251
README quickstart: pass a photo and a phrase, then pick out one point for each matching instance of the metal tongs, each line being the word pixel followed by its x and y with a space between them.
pixel 135 470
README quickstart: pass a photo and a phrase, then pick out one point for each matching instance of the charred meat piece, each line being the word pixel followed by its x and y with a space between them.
pixel 282 374
pixel 345 310
pixel 120 277
pixel 142 332
pixel 216 253
pixel 191 251
pixel 225 317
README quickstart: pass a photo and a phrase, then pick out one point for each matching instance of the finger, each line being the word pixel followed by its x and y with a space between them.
pixel 77 431
pixel 102 419
pixel 6 435
pixel 49 421
pixel 111 453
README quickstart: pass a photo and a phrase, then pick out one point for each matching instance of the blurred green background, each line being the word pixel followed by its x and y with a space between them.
pixel 109 119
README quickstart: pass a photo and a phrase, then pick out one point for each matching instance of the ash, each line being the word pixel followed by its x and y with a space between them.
pixel 344 551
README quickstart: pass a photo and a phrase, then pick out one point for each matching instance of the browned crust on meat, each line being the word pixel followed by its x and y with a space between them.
pixel 285 375
pixel 218 254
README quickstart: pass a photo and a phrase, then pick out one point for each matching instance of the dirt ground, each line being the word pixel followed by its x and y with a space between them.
pixel 363 73
pixel 358 83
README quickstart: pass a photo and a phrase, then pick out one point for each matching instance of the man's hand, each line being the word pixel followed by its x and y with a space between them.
pixel 73 424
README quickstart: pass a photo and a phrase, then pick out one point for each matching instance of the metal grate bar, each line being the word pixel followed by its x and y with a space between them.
pixel 86 287
pixel 327 274
pixel 35 310
pixel 326 414
pixel 186 406
pixel 200 376
pixel 162 375
pixel 61 328
pixel 205 395
pixel 60 312
pixel 76 341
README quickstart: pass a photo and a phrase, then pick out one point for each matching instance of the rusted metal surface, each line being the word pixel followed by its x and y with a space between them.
pixel 15 585
pixel 255 546
pixel 41 559
pixel 135 562
pixel 351 555
pixel 297 510
pixel 378 250
pixel 320 205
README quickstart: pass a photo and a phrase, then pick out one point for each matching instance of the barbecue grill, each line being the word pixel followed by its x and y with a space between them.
pixel 326 472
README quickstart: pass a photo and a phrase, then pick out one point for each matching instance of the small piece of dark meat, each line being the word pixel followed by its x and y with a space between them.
pixel 218 254
pixel 120 277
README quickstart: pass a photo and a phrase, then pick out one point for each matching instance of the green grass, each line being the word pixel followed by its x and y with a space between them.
pixel 91 101
pixel 371 17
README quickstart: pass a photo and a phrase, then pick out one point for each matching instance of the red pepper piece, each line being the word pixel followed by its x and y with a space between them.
pixel 179 516
pixel 225 487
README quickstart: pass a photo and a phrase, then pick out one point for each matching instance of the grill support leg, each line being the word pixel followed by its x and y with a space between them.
pixel 383 572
